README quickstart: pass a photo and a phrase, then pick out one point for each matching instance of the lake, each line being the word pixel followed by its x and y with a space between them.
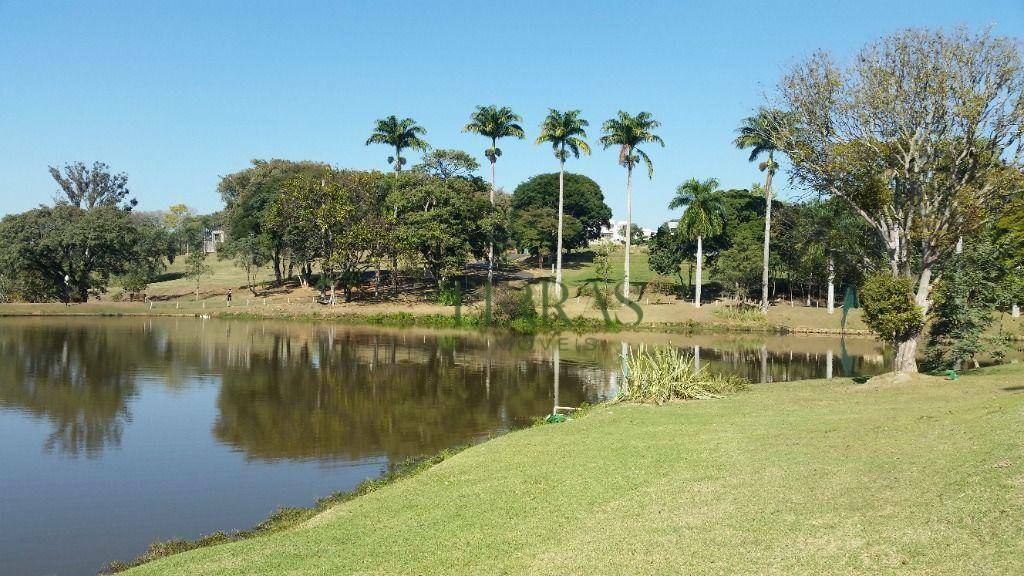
pixel 115 432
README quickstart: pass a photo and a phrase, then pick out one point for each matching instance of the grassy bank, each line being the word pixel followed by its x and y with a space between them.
pixel 804 478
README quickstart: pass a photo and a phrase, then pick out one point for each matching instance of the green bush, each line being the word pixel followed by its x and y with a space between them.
pixel 449 294
pixel 509 305
pixel 663 373
pixel 889 308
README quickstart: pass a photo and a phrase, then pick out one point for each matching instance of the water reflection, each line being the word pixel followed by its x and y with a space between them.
pixel 78 380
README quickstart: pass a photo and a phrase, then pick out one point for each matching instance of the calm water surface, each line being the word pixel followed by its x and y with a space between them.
pixel 118 432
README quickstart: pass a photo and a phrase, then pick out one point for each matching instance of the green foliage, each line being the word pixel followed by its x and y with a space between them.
pixel 889 308
pixel 447 163
pixel 969 290
pixel 449 293
pixel 566 132
pixel 196 267
pixel 73 248
pixel 398 134
pixel 628 133
pixel 509 305
pixel 662 373
pixel 583 201
pixel 495 123
pixel 668 251
pixel 705 208
pixel 536 230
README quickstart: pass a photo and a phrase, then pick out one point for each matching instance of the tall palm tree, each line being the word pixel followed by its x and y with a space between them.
pixel 704 217
pixel 399 134
pixel 494 123
pixel 760 133
pixel 628 133
pixel 566 132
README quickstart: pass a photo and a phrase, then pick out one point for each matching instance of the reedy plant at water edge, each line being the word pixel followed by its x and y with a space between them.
pixel 660 374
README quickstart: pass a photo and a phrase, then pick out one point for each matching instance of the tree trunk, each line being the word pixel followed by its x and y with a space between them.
pixel 831 285
pixel 629 225
pixel 767 233
pixel 277 267
pixel 490 240
pixel 700 267
pixel 558 250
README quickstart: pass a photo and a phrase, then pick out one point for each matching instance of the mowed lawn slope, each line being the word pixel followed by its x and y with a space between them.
pixel 811 477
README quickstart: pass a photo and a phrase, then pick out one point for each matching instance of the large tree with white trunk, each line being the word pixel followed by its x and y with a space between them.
pixel 919 134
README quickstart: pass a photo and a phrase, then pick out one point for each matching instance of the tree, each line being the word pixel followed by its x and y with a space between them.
pixel 446 163
pixel 667 251
pixel 582 199
pixel 442 223
pixel 494 123
pixel 918 135
pixel 889 307
pixel 399 134
pixel 250 254
pixel 759 133
pixel 629 133
pixel 74 247
pixel 249 205
pixel 704 217
pixel 968 290
pixel 89 188
pixel 536 230
pixel 565 131
pixel 196 268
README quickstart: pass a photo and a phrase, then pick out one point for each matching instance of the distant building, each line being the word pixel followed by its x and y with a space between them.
pixel 615 232
pixel 215 239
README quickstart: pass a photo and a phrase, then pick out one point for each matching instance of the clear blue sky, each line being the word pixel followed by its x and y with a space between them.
pixel 179 93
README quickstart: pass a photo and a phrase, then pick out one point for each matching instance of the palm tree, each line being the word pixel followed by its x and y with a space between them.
pixel 704 217
pixel 566 132
pixel 399 134
pixel 494 123
pixel 761 133
pixel 628 133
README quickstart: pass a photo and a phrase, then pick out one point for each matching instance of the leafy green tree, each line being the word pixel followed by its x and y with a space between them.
pixel 970 287
pixel 582 200
pixel 536 230
pixel 704 217
pixel 889 308
pixel 668 250
pixel 447 163
pixel 249 208
pixel 400 135
pixel 566 132
pixel 74 247
pixel 922 154
pixel 760 133
pixel 250 253
pixel 628 133
pixel 196 268
pixel 442 223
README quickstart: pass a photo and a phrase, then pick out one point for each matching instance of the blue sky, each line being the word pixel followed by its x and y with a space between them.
pixel 177 94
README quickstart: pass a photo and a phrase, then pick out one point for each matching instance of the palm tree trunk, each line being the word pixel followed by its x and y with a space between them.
pixel 490 240
pixel 700 267
pixel 831 285
pixel 767 234
pixel 629 224
pixel 561 207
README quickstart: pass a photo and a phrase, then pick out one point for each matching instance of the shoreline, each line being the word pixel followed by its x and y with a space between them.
pixel 579 325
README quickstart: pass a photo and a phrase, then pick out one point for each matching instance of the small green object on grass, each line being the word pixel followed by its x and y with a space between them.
pixel 951 375
pixel 555 418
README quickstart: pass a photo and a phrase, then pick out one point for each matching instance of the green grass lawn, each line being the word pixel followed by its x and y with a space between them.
pixel 814 477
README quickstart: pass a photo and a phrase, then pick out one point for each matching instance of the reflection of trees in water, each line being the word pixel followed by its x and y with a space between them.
pixel 78 378
pixel 346 394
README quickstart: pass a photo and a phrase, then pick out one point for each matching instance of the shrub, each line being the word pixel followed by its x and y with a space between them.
pixel 889 308
pixel 509 305
pixel 449 294
pixel 663 373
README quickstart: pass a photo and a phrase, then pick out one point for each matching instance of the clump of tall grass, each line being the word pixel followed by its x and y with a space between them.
pixel 662 373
